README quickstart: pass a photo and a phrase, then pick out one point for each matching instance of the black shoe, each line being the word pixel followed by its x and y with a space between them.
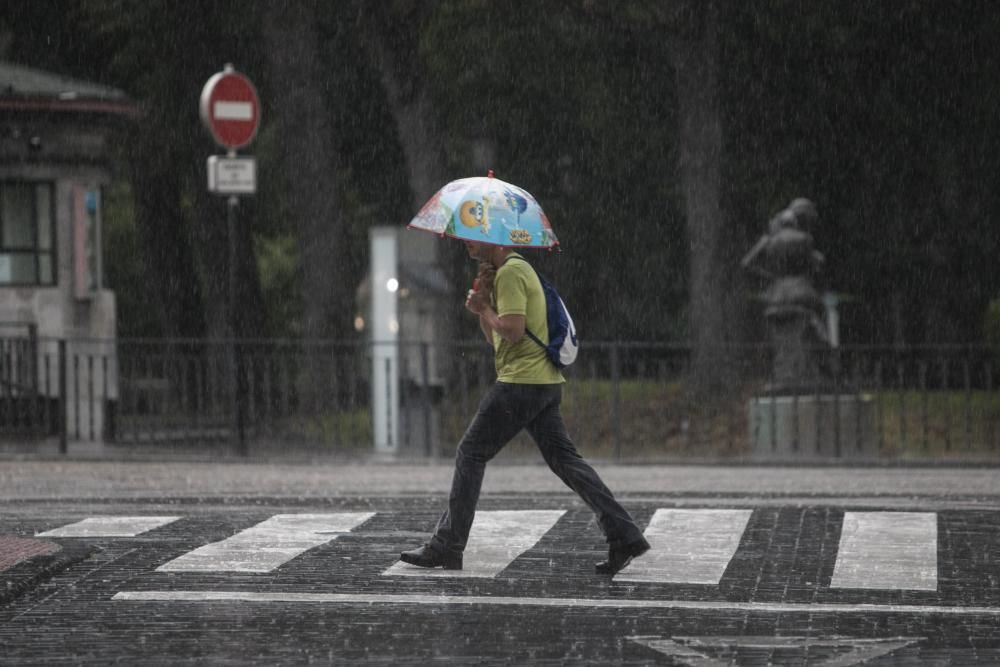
pixel 426 556
pixel 620 555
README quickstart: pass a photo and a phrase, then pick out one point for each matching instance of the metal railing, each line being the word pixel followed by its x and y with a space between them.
pixel 623 401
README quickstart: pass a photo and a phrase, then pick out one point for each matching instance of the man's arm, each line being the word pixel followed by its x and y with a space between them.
pixel 487 332
pixel 510 327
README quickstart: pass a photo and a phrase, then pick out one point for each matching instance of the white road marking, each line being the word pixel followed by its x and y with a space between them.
pixel 110 526
pixel 233 111
pixel 269 544
pixel 887 550
pixel 702 651
pixel 417 599
pixel 688 546
pixel 496 539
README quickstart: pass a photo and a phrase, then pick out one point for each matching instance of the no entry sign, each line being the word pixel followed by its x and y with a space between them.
pixel 230 108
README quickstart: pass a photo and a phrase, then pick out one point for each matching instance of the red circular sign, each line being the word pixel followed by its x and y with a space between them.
pixel 230 108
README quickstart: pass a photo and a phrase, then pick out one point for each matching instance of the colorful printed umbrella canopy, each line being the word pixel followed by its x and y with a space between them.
pixel 487 210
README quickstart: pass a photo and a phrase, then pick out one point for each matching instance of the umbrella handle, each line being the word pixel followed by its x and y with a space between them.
pixel 475 288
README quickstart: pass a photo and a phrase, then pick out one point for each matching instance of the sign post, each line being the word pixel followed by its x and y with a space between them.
pixel 230 109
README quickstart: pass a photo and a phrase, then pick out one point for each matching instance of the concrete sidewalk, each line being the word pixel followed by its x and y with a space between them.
pixel 52 479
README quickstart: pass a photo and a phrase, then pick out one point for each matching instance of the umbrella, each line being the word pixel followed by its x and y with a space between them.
pixel 487 210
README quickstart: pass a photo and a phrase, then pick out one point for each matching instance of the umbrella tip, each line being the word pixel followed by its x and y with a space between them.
pixel 489 173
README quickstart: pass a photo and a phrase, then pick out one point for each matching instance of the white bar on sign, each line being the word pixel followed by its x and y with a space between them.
pixel 688 546
pixel 232 111
pixel 110 526
pixel 269 544
pixel 496 539
pixel 887 551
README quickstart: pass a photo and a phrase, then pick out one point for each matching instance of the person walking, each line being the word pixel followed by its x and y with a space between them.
pixel 509 301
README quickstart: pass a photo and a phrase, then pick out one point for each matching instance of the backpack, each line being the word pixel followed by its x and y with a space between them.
pixel 563 342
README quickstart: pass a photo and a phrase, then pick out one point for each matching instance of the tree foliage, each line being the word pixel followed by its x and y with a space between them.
pixel 881 113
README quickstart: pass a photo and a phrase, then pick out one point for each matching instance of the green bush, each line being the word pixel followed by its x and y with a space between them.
pixel 991 325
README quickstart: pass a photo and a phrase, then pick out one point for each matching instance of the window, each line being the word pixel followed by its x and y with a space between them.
pixel 27 236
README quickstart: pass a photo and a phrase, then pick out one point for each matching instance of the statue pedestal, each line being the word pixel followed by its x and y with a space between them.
pixel 825 427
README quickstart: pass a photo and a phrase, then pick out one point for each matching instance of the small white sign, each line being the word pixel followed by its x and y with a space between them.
pixel 232 175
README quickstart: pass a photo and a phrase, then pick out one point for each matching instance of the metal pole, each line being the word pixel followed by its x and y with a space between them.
pixel 616 403
pixel 234 399
pixel 425 394
pixel 63 399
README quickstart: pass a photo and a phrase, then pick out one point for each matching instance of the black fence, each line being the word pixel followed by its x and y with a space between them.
pixel 623 401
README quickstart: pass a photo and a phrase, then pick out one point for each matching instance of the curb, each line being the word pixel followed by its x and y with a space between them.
pixel 30 573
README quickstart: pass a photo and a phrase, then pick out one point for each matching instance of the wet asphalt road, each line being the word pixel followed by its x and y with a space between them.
pixel 103 600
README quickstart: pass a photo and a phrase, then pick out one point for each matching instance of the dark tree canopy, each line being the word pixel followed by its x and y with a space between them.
pixel 881 113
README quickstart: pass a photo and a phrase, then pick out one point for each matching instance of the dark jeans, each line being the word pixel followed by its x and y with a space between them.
pixel 503 412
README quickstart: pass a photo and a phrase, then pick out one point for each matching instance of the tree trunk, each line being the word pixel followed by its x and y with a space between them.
pixel 695 61
pixel 401 76
pixel 210 239
pixel 163 236
pixel 309 166
pixel 419 132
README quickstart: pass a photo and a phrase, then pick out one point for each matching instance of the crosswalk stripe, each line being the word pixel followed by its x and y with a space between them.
pixel 496 539
pixel 887 550
pixel 269 544
pixel 688 546
pixel 110 526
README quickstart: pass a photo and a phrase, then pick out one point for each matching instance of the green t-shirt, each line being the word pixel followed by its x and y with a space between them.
pixel 519 292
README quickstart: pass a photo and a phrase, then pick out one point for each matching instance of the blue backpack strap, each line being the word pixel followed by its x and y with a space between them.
pixel 535 338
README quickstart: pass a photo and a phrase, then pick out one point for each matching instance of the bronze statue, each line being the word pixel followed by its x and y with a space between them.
pixel 793 308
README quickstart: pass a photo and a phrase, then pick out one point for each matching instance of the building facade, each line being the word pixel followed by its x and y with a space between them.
pixel 56 140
